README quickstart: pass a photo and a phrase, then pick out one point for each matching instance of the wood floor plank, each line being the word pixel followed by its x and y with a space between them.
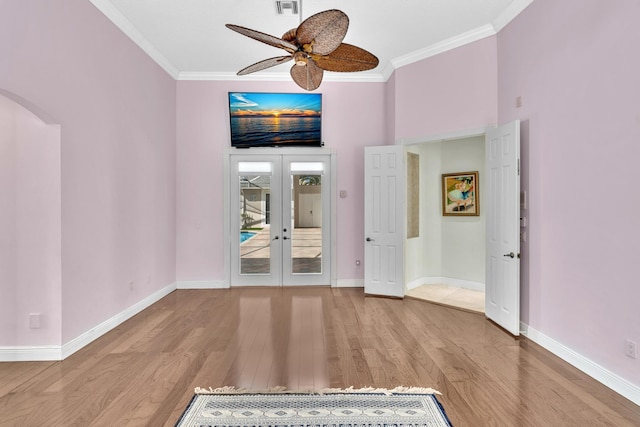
pixel 143 372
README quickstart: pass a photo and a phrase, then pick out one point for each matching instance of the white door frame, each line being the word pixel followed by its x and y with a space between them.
pixel 300 153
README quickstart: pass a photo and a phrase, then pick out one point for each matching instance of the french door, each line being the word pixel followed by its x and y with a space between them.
pixel 280 209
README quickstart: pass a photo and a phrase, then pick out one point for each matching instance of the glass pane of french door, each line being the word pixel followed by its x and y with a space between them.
pixel 306 239
pixel 255 239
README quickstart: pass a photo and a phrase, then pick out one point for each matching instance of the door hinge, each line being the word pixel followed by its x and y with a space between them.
pixel 518 167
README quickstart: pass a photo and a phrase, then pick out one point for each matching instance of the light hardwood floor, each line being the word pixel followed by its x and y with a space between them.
pixel 143 373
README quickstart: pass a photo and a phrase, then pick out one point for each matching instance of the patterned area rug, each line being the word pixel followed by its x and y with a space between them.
pixel 229 407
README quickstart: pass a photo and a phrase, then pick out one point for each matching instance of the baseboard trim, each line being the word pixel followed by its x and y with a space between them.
pixel 589 367
pixel 201 284
pixel 43 353
pixel 349 283
pixel 53 353
pixel 91 335
pixel 448 281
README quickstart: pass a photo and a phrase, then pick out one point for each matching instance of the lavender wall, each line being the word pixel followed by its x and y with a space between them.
pixel 30 252
pixel 450 92
pixel 574 64
pixel 116 109
pixel 353 117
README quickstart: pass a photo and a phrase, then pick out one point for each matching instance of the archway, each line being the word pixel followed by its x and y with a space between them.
pixel 30 232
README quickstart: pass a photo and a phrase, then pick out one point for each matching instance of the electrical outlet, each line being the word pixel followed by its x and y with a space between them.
pixel 34 320
pixel 630 349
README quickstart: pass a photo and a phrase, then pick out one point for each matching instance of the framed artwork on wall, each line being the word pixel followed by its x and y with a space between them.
pixel 460 194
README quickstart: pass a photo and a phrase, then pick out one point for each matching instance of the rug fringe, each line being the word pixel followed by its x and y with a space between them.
pixel 280 389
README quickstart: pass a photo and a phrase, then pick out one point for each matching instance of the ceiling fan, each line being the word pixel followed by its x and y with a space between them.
pixel 315 46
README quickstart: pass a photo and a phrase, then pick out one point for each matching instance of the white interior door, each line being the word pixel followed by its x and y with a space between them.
pixel 269 246
pixel 384 187
pixel 502 299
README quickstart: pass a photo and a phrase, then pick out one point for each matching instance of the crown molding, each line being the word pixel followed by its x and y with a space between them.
pixel 444 46
pixel 279 77
pixel 130 30
pixel 514 9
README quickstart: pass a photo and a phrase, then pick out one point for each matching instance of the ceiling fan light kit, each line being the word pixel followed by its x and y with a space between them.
pixel 315 46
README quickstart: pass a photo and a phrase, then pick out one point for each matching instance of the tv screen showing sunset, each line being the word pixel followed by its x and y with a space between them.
pixel 274 119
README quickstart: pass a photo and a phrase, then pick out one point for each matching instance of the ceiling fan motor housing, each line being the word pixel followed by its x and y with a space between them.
pixel 300 58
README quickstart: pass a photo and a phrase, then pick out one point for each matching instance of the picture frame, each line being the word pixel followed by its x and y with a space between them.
pixel 460 194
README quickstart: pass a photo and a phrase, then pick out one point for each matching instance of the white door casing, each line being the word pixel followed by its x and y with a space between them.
pixel 384 219
pixel 502 298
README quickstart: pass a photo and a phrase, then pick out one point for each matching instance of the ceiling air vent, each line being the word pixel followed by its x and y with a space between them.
pixel 287 7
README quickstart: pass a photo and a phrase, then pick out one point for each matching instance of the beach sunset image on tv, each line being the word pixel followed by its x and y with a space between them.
pixel 274 119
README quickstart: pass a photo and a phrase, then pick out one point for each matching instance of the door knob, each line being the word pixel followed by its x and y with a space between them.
pixel 285 238
pixel 510 255
pixel 276 238
pixel 369 239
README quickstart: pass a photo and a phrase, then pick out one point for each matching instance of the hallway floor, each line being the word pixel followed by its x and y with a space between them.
pixel 450 296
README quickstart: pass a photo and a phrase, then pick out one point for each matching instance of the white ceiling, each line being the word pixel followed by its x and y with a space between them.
pixel 188 38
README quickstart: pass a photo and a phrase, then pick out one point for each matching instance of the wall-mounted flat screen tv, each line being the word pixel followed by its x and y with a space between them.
pixel 275 119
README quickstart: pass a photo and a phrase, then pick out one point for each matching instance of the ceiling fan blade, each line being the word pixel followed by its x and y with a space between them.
pixel 262 65
pixel 308 76
pixel 323 32
pixel 264 38
pixel 347 58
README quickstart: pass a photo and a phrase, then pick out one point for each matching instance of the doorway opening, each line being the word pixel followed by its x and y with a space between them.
pixel 445 262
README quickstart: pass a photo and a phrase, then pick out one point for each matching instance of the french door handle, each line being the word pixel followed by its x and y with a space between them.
pixel 510 255
pixel 276 238
pixel 285 238
pixel 369 239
